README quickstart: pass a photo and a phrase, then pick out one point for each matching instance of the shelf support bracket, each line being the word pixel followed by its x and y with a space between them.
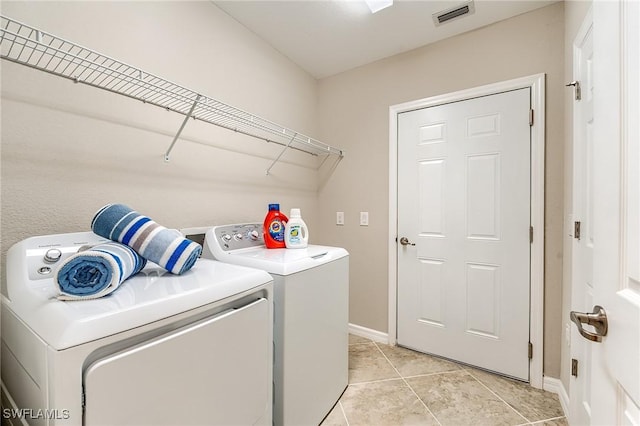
pixel 280 155
pixel 184 123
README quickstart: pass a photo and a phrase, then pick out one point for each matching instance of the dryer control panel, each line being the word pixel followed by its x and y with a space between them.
pixel 239 236
pixel 44 254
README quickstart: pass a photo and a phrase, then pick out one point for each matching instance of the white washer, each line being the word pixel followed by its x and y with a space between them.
pixel 161 350
pixel 311 292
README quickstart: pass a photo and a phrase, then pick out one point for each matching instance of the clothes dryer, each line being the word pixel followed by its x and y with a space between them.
pixel 311 304
pixel 161 350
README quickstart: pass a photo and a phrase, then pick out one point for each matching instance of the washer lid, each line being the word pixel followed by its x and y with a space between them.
pixel 151 295
pixel 282 261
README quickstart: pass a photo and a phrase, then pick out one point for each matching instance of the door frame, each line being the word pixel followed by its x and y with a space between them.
pixel 576 288
pixel 536 83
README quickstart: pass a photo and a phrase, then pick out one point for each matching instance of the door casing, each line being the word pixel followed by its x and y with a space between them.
pixel 580 349
pixel 537 85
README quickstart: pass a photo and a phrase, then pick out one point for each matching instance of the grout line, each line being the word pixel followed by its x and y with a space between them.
pixel 469 372
pixel 539 422
pixel 343 413
pixel 434 374
pixel 408 385
pixel 369 342
pixel 376 381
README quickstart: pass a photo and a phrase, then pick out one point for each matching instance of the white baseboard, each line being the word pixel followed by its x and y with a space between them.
pixel 555 385
pixel 375 335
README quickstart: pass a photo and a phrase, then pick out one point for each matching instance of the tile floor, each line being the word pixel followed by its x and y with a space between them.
pixel 395 386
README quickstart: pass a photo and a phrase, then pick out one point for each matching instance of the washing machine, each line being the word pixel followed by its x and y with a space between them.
pixel 311 303
pixel 194 349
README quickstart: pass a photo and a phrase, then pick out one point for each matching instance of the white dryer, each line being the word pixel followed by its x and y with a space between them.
pixel 311 303
pixel 161 350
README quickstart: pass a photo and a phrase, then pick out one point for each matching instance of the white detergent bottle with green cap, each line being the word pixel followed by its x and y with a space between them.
pixel 296 234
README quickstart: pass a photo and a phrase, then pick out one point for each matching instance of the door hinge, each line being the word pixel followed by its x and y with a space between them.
pixel 574 367
pixel 531 117
pixel 530 350
pixel 577 90
pixel 531 234
pixel 576 230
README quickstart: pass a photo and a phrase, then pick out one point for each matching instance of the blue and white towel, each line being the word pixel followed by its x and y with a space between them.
pixel 96 271
pixel 166 247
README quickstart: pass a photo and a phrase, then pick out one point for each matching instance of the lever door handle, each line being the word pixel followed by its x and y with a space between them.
pixel 405 242
pixel 597 319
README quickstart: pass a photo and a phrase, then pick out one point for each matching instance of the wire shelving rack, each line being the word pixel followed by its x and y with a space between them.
pixel 29 46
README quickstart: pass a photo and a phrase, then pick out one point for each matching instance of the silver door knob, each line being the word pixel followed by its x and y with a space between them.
pixel 597 319
pixel 405 242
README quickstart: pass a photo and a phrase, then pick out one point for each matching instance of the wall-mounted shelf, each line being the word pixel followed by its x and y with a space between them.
pixel 26 45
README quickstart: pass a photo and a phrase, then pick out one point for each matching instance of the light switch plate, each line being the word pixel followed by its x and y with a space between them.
pixel 339 218
pixel 364 218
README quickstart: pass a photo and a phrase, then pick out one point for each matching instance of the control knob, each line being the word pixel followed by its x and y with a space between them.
pixel 226 238
pixel 254 235
pixel 52 255
pixel 238 237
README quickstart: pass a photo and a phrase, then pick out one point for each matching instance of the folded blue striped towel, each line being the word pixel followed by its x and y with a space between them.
pixel 95 271
pixel 166 247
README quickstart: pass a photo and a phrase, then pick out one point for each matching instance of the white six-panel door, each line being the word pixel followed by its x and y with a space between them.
pixel 464 201
pixel 615 369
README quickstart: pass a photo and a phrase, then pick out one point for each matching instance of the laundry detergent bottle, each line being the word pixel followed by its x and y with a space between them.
pixel 273 227
pixel 296 234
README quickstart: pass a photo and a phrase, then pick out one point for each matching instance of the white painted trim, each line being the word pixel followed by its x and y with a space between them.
pixel 392 242
pixel 375 335
pixel 577 292
pixel 556 386
pixel 536 317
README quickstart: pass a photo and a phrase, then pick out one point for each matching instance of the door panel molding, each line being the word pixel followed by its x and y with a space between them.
pixel 536 83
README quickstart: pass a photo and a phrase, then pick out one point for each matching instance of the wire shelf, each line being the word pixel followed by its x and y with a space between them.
pixel 26 45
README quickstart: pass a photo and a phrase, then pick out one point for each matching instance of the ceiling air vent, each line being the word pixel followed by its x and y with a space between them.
pixel 443 16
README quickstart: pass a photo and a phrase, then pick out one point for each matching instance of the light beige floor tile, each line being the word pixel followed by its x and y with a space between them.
pixel 459 399
pixel 389 402
pixel 412 363
pixel 335 417
pixel 354 340
pixel 366 363
pixel 534 404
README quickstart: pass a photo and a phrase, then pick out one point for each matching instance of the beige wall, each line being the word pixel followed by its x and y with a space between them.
pixel 354 114
pixel 575 12
pixel 69 149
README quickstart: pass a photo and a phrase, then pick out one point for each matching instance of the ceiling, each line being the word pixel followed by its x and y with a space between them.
pixel 326 37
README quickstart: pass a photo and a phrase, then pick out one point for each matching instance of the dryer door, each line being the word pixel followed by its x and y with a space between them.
pixel 217 371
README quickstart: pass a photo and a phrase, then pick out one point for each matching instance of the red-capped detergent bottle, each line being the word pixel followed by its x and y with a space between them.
pixel 273 227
